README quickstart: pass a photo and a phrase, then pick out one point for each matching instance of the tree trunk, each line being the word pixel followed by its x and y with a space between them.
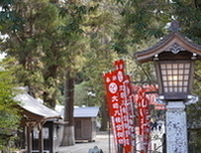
pixel 68 135
pixel 49 99
pixel 105 117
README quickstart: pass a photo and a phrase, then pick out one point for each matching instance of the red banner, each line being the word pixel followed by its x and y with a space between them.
pixel 143 119
pixel 113 103
pixel 119 65
pixel 120 105
pixel 130 110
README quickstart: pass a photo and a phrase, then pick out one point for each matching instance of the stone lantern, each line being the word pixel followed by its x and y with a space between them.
pixel 174 58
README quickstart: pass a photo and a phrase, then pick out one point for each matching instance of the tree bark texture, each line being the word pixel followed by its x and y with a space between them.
pixel 105 117
pixel 68 135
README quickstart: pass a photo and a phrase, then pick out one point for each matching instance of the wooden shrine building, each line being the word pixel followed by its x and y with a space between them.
pixel 39 124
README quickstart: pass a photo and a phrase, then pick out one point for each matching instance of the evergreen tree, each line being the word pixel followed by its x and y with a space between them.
pixel 9 113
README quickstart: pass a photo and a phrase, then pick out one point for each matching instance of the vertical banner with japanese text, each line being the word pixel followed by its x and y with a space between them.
pixel 119 67
pixel 113 102
pixel 130 110
pixel 120 106
pixel 144 120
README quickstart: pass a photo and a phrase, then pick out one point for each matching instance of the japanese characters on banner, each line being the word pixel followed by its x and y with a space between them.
pixel 144 120
pixel 113 104
pixel 121 77
pixel 120 106
pixel 130 109
pixel 144 97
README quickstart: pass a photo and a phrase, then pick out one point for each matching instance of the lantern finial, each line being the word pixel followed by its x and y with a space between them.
pixel 174 27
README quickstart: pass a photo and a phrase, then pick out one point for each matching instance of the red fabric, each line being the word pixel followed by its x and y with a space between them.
pixel 144 120
pixel 120 105
pixel 113 103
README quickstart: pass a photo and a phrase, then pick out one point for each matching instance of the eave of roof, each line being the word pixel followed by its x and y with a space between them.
pixel 164 44
pixel 33 108
pixel 86 112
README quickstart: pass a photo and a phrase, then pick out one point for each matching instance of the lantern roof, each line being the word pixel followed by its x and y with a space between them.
pixel 174 42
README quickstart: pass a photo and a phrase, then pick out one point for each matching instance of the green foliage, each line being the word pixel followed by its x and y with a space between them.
pixel 85 95
pixel 189 15
pixel 50 44
pixel 76 13
pixel 194 112
pixel 9 17
pixel 99 26
pixel 9 113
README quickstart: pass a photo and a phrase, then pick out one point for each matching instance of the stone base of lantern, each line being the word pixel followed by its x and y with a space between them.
pixel 176 128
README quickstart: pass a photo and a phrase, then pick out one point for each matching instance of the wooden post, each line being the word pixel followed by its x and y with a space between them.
pixel 40 140
pixel 29 139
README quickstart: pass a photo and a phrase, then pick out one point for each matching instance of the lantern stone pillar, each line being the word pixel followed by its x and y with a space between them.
pixel 176 128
